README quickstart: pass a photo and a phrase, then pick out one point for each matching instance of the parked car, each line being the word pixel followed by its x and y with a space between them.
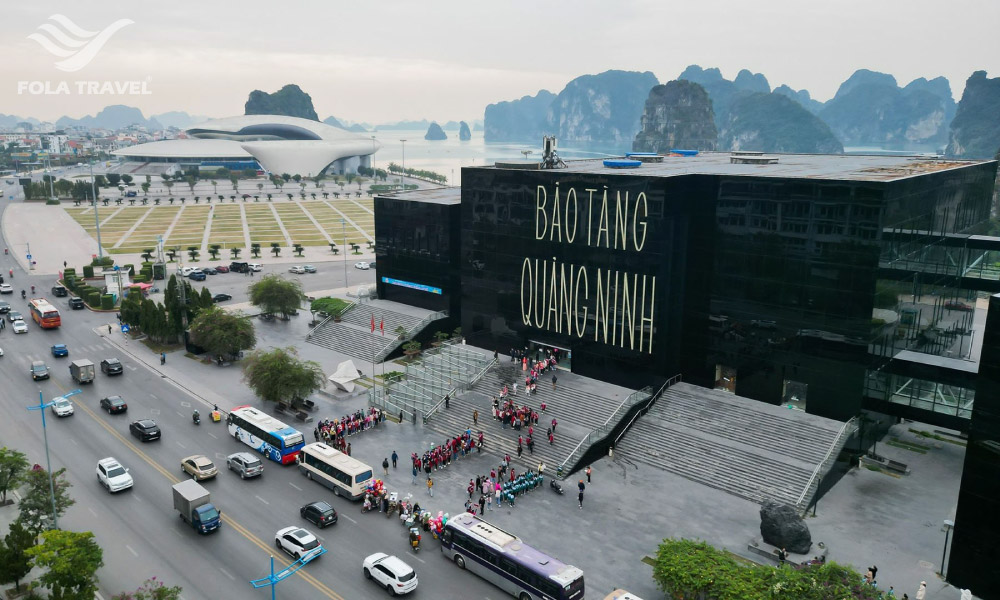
pixel 246 464
pixel 221 297
pixel 199 467
pixel 60 350
pixel 130 194
pixel 112 366
pixel 361 265
pixel 114 405
pixel 296 541
pixel 319 513
pixel 255 266
pixel 197 276
pixel 391 573
pixel 6 288
pixel 372 264
pixel 58 290
pixel 956 305
pixel 19 326
pixel 4 307
pixel 38 370
pixel 112 475
pixel 222 269
pixel 297 269
pixel 309 268
pixel 185 271
pixel 238 267
pixel 62 407
pixel 76 303
pixel 210 271
pixel 145 429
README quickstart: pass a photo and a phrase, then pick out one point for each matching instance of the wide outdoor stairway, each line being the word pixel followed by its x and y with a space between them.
pixel 576 409
pixel 750 449
pixel 353 335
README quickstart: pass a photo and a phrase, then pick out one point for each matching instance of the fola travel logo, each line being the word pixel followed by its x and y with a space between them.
pixel 74 44
pixel 75 48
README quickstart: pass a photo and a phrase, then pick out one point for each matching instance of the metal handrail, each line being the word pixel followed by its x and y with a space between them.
pixel 600 431
pixel 652 401
pixel 374 399
pixel 829 452
pixel 472 382
pixel 395 343
pixel 328 317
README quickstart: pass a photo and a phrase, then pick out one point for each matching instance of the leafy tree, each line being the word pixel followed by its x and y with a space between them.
pixel 72 560
pixel 114 179
pixel 298 249
pixel 285 177
pixel 333 247
pixel 13 466
pixel 215 185
pixel 235 252
pixel 297 178
pixel 274 294
pixel 168 185
pixel 193 253
pixel 147 254
pixel 331 306
pixel 255 249
pixel 100 181
pixel 233 179
pixel 214 249
pixel 15 563
pixel 221 332
pixel 279 376
pixel 205 299
pixel 36 505
pixel 276 248
pixel 192 181
pixel 151 589
pixel 145 188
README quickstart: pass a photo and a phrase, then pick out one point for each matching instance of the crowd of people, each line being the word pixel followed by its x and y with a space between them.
pixel 336 431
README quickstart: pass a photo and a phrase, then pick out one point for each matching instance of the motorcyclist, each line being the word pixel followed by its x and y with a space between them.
pixel 32 290
pixel 196 416
pixel 24 294
pixel 414 538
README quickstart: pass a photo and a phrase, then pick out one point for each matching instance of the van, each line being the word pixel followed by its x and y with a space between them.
pixel 238 267
pixel 255 266
pixel 58 290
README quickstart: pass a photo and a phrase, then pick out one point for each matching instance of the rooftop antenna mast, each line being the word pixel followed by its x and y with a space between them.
pixel 550 160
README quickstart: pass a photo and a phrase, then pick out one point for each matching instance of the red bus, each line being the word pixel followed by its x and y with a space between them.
pixel 44 313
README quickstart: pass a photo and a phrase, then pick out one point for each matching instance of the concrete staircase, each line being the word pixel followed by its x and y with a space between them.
pixel 353 335
pixel 576 411
pixel 750 449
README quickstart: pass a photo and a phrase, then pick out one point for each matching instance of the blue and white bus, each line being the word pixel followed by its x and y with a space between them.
pixel 265 434
pixel 508 563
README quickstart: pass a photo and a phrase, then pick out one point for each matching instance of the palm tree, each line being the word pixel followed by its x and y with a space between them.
pixel 255 249
pixel 214 186
pixel 276 248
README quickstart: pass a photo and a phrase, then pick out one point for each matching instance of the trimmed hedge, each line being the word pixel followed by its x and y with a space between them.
pixel 104 261
pixel 69 272
pixel 93 299
pixel 88 271
pixel 107 302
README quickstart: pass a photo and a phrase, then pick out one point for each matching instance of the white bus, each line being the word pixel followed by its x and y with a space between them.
pixel 344 475
pixel 265 434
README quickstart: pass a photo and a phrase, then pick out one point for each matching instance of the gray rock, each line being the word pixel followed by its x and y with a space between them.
pixel 782 527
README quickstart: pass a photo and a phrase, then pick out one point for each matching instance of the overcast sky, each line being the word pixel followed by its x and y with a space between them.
pixel 390 60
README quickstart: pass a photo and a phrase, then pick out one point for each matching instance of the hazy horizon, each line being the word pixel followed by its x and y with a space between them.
pixel 446 61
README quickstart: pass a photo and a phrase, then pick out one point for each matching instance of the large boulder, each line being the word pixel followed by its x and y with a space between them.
pixel 781 526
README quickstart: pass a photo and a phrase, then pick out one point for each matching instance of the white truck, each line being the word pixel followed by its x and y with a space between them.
pixel 194 503
pixel 82 371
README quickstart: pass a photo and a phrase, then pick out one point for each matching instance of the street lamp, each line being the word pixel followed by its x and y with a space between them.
pixel 343 227
pixel 42 405
pixel 97 218
pixel 275 578
pixel 948 526
pixel 402 179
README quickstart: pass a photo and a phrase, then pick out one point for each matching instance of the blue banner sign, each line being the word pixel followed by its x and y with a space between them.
pixel 411 285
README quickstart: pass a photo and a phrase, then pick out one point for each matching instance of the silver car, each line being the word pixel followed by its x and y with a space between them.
pixel 244 463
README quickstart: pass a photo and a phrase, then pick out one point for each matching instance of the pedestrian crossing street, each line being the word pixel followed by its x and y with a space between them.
pixel 94 352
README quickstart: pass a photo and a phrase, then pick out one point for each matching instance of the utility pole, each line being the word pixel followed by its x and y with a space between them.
pixel 97 217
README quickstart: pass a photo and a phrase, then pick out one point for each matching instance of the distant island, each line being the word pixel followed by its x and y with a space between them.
pixel 434 132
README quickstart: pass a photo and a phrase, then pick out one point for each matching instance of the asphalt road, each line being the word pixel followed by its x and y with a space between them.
pixel 138 530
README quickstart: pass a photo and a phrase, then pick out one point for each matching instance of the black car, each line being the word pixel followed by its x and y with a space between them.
pixel 114 405
pixel 197 276
pixel 39 370
pixel 221 297
pixel 238 267
pixel 4 308
pixel 320 513
pixel 210 271
pixel 145 429
pixel 76 303
pixel 112 366
pixel 58 290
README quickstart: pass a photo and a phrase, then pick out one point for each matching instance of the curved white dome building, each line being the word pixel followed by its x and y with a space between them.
pixel 276 143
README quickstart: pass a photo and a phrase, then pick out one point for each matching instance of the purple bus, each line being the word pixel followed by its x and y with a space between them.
pixel 508 563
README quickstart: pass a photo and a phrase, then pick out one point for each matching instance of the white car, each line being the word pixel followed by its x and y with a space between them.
pixel 297 269
pixel 19 326
pixel 6 288
pixel 391 573
pixel 296 541
pixel 62 407
pixel 361 265
pixel 255 266
pixel 112 475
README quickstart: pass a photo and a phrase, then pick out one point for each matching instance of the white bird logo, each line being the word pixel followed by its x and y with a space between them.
pixel 77 46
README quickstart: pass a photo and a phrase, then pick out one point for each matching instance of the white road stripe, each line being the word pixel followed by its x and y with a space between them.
pixel 134 553
pixel 262 500
pixel 153 396
pixel 92 511
pixel 180 444
pixel 213 435
pixel 343 516
pixel 295 486
pixel 130 367
pixel 226 573
pixel 178 413
pixel 75 443
pixel 415 557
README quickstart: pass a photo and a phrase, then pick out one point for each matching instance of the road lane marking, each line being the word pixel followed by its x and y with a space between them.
pixel 134 553
pixel 173 479
pixel 213 435
pixel 92 511
pixel 75 443
pixel 295 486
pixel 179 413
pixel 262 500
pixel 180 444
pixel 227 574
pixel 343 516
pixel 153 396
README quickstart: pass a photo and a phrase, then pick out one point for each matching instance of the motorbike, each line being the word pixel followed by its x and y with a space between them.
pixel 24 294
pixel 196 418
pixel 216 415
pixel 367 506
pixel 393 504
pixel 555 486
pixel 415 539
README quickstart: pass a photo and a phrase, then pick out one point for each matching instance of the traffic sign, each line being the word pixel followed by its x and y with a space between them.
pixel 125 328
pixel 29 257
